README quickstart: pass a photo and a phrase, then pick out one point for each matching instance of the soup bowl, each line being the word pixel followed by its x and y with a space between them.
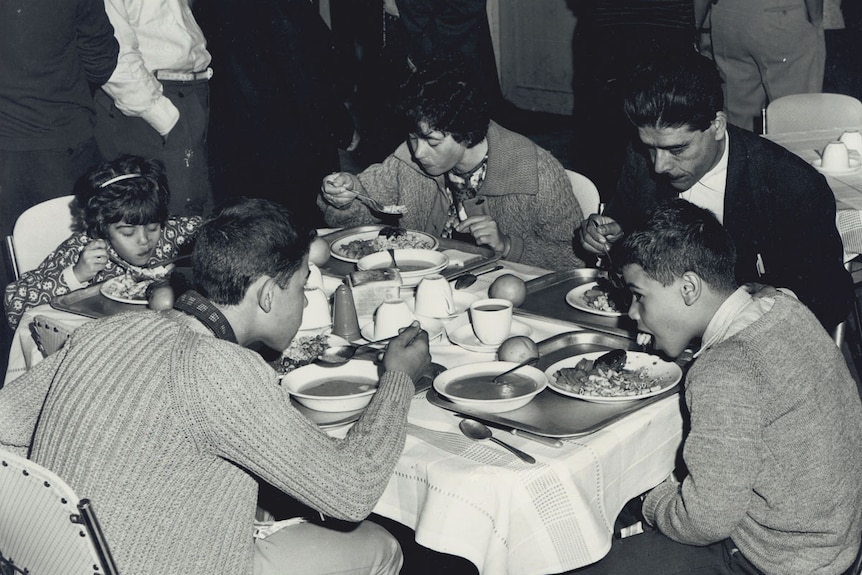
pixel 413 264
pixel 347 387
pixel 471 386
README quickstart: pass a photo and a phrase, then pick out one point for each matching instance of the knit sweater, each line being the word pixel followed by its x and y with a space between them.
pixel 526 189
pixel 773 451
pixel 54 275
pixel 166 427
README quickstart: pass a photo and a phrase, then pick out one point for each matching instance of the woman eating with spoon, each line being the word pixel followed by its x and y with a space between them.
pixel 461 176
pixel 121 212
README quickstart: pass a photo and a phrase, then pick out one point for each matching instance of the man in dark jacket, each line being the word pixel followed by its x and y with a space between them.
pixel 779 211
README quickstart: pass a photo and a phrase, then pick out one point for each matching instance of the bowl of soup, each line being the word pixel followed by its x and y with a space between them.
pixel 346 387
pixel 472 386
pixel 412 264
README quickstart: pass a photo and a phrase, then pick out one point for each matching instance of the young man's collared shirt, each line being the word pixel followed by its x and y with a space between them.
pixel 708 191
pixel 737 312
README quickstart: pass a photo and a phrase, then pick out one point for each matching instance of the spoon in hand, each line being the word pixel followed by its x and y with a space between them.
pixel 338 354
pixel 478 431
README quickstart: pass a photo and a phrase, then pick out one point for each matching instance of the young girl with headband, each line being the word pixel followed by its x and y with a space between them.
pixel 121 214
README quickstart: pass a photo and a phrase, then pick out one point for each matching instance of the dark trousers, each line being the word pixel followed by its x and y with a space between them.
pixel 183 152
pixel 26 179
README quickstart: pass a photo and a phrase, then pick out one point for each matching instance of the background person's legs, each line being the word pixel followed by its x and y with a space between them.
pixel 310 549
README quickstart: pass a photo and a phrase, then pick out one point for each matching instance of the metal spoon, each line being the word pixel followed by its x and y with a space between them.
pixel 341 354
pixel 392 255
pixel 478 431
pixel 395 209
pixel 469 279
pixel 529 361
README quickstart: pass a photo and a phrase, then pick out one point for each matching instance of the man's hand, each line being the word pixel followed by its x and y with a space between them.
pixel 599 232
pixel 408 352
pixel 486 233
pixel 337 189
pixel 92 259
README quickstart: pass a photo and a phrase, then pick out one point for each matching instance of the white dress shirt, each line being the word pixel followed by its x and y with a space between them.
pixel 708 192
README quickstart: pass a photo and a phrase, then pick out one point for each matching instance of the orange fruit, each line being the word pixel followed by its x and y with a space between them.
pixel 318 251
pixel 509 287
pixel 517 348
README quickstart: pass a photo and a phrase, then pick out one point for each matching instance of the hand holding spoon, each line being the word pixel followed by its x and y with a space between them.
pixel 478 431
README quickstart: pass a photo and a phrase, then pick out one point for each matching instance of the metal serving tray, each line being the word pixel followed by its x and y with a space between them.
pixel 546 298
pixel 339 268
pixel 555 415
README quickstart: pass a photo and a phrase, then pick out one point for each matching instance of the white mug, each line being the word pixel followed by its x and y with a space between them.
pixel 390 316
pixel 434 297
pixel 316 313
pixel 491 319
pixel 835 157
pixel 853 140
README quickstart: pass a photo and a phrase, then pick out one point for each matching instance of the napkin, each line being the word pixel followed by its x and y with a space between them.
pixel 459 259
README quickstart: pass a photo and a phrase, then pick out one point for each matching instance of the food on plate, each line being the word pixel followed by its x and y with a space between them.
pixel 607 297
pixel 510 287
pixel 606 377
pixel 517 348
pixel 127 287
pixel 318 251
pixel 387 238
pixel 302 351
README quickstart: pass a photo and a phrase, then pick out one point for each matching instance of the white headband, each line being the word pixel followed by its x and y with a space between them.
pixel 120 178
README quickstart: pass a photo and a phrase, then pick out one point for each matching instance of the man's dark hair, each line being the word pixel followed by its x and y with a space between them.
pixel 247 239
pixel 129 189
pixel 681 237
pixel 674 93
pixel 445 96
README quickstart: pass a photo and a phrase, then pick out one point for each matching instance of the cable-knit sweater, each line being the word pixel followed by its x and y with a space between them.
pixel 527 192
pixel 774 452
pixel 165 427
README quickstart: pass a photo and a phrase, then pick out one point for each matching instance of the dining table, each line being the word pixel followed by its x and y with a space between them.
pixel 846 186
pixel 478 501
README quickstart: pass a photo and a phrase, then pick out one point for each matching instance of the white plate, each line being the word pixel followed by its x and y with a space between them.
pixel 668 373
pixel 433 326
pixel 575 298
pixel 854 165
pixel 328 419
pixel 489 369
pixel 300 379
pixel 113 288
pixel 337 251
pixel 464 337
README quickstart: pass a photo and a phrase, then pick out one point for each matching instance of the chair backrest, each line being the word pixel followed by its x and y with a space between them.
pixel 801 112
pixel 585 192
pixel 45 529
pixel 38 231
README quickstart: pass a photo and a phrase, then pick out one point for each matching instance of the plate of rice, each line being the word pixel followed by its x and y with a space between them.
pixel 351 247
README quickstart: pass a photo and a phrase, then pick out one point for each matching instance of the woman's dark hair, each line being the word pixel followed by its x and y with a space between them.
pixel 129 189
pixel 675 92
pixel 680 237
pixel 445 96
pixel 247 238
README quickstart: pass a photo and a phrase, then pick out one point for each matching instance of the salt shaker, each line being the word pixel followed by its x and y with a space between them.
pixel 345 322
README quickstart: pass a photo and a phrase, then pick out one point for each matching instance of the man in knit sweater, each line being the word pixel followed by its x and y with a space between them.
pixel 169 424
pixel 774 469
pixel 464 177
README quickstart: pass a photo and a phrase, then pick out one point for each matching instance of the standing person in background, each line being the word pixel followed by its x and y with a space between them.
pixel 49 52
pixel 612 38
pixel 156 104
pixel 764 49
pixel 280 118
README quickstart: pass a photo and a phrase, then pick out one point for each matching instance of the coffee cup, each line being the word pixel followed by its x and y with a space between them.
pixel 491 320
pixel 434 297
pixel 390 316
pixel 835 156
pixel 316 313
pixel 853 140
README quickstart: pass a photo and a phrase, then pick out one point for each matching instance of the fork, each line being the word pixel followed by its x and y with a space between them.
pixel 613 277
pixel 394 209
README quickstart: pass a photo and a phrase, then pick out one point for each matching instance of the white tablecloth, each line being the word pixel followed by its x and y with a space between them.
pixel 847 188
pixel 478 501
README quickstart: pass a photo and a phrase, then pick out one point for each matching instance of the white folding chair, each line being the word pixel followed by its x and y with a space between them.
pixel 45 528
pixel 820 111
pixel 585 192
pixel 37 232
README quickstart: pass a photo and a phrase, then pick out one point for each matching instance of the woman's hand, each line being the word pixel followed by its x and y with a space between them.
pixel 337 189
pixel 92 259
pixel 485 231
